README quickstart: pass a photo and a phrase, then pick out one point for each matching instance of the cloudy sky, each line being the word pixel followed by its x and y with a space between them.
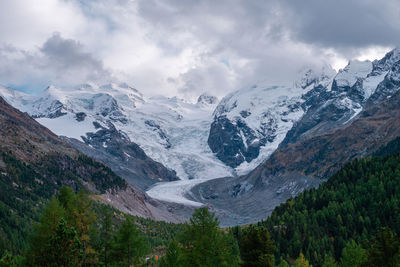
pixel 186 47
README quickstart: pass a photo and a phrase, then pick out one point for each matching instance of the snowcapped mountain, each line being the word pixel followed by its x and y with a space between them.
pixel 171 131
pixel 208 139
pixel 359 85
pixel 350 116
pixel 250 123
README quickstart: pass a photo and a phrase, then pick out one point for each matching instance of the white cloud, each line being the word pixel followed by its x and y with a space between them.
pixel 185 47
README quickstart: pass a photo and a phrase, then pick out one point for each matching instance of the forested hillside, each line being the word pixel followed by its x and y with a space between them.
pixel 24 188
pixel 353 205
pixel 35 164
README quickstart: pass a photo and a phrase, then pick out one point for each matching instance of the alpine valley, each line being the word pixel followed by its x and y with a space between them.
pixel 241 156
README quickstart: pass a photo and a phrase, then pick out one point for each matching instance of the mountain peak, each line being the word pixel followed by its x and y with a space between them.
pixel 386 63
pixel 354 70
pixel 315 76
pixel 394 53
pixel 207 99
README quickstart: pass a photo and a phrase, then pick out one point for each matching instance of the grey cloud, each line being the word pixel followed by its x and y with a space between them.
pixel 59 61
pixel 254 32
pixel 212 78
pixel 345 25
pixel 276 38
pixel 68 56
pixel 186 47
pixel 339 24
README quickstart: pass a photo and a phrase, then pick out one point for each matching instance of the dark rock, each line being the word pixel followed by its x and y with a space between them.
pixel 124 157
pixel 54 111
pixel 225 139
pixel 207 99
pixel 80 116
pixel 245 113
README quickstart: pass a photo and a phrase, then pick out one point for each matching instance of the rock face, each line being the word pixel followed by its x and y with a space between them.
pixel 358 86
pixel 127 159
pixel 206 99
pixel 250 123
pixel 88 117
pixel 35 146
pixel 300 165
pixel 169 131
pixel 236 143
pixel 353 116
pixel 274 139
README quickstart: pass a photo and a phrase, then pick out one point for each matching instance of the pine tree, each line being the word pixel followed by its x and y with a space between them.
pixel 84 218
pixel 256 247
pixel 67 200
pixel 106 232
pixel 329 261
pixel 64 246
pixel 204 244
pixel 9 260
pixel 129 246
pixel 283 263
pixel 302 262
pixel 353 255
pixel 38 251
pixel 173 256
pixel 384 249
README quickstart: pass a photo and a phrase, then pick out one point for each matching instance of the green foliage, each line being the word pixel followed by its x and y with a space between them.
pixel 69 234
pixel 9 260
pixel 173 256
pixel 283 263
pixel 204 244
pixel 105 234
pixel 66 219
pixel 384 249
pixel 39 249
pixel 64 246
pixel 361 198
pixel 25 188
pixel 302 262
pixel 329 261
pixel 256 247
pixel 128 246
pixel 353 255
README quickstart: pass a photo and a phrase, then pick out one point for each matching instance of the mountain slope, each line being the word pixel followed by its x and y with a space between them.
pixel 353 205
pixel 35 163
pixel 358 113
pixel 170 131
pixel 250 123
pixel 127 159
pixel 68 113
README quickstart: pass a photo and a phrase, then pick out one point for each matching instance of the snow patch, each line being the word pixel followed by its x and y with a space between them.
pixel 68 126
pixel 352 72
pixel 371 83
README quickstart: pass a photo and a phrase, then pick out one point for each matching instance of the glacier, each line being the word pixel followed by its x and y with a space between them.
pixel 175 132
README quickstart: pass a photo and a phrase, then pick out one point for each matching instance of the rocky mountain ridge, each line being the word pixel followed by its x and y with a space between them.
pixel 352 118
pixel 258 132
pixel 169 131
pixel 53 163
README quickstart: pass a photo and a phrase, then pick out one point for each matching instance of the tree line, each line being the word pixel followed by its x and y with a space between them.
pixel 71 233
pixel 353 219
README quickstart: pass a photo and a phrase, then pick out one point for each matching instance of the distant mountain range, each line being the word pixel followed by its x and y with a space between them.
pixel 270 141
pixel 358 112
